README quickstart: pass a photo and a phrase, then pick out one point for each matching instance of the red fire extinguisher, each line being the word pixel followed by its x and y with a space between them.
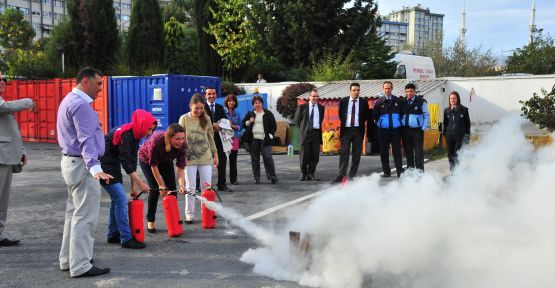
pixel 136 218
pixel 208 216
pixel 173 220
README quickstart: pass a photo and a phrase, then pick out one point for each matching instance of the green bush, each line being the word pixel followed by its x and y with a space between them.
pixel 332 67
pixel 230 87
pixel 541 110
pixel 287 102
pixel 30 65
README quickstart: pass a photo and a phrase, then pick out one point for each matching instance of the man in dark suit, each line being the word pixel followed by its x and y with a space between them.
pixel 353 113
pixel 216 112
pixel 308 118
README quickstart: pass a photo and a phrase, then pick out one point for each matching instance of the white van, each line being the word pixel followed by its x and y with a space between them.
pixel 414 67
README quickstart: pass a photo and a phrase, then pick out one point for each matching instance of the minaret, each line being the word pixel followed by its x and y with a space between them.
pixel 463 22
pixel 533 21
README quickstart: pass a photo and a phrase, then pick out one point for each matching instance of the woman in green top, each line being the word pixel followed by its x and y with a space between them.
pixel 201 151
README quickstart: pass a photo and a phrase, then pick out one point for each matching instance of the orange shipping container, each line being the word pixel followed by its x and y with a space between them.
pixel 40 126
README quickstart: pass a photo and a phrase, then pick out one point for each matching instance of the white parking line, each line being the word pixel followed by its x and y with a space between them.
pixel 282 206
pixel 293 202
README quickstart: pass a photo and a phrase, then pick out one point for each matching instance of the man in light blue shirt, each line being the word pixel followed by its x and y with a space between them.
pixel 82 141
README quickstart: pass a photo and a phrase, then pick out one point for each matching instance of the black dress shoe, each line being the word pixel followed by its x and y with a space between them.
pixel 133 244
pixel 234 183
pixel 92 261
pixel 151 230
pixel 114 239
pixel 386 175
pixel 224 188
pixel 275 180
pixel 94 271
pixel 312 177
pixel 303 177
pixel 8 242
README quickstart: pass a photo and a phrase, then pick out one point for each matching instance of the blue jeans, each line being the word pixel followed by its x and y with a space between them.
pixel 119 219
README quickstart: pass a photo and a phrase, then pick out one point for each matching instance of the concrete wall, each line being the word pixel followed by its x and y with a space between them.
pixel 493 97
pixel 497 97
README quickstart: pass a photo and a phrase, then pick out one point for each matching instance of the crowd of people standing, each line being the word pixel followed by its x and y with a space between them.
pixel 208 136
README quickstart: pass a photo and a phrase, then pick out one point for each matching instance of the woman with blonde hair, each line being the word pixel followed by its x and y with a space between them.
pixel 156 160
pixel 201 151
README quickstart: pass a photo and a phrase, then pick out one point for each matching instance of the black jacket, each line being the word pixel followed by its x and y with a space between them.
pixel 302 116
pixel 269 123
pixel 219 114
pixel 117 156
pixel 363 113
pixel 456 123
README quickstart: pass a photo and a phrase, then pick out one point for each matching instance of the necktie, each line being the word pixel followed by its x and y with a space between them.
pixel 353 111
pixel 311 119
pixel 212 108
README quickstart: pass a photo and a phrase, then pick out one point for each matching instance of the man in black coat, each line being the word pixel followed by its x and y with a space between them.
pixel 216 112
pixel 308 118
pixel 353 113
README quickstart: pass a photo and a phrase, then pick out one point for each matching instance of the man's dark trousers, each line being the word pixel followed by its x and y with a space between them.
pixel 350 136
pixel 413 144
pixel 310 152
pixel 393 137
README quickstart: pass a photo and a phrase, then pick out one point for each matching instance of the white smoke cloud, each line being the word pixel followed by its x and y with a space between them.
pixel 490 224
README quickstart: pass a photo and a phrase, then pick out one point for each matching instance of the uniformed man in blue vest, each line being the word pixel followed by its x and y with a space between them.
pixel 387 115
pixel 415 120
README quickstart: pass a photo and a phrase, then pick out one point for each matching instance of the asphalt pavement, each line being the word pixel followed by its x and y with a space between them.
pixel 199 258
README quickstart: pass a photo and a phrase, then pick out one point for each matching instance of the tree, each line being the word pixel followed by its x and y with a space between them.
pixel 209 61
pixel 174 35
pixel 541 110
pixel 15 31
pixel 181 10
pixel 232 30
pixel 287 103
pixel 460 61
pixel 60 38
pixel 30 64
pixel 373 58
pixel 145 42
pixel 331 67
pixel 294 30
pixel 93 37
pixel 538 57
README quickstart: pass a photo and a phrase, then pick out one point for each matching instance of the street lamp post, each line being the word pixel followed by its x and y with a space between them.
pixel 60 48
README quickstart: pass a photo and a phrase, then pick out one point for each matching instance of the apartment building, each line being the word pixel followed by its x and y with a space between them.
pixel 423 25
pixel 45 14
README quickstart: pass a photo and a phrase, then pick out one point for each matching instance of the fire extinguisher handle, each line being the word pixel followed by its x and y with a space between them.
pixel 136 197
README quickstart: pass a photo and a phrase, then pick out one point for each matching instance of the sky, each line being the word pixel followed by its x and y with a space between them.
pixel 500 25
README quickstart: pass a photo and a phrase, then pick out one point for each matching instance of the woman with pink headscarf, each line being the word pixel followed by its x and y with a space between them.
pixel 122 146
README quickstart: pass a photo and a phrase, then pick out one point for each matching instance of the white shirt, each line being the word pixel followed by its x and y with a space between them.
pixel 316 117
pixel 349 108
pixel 261 80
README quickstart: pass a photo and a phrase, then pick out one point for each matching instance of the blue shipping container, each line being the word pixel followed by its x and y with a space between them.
pixel 244 102
pixel 165 96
